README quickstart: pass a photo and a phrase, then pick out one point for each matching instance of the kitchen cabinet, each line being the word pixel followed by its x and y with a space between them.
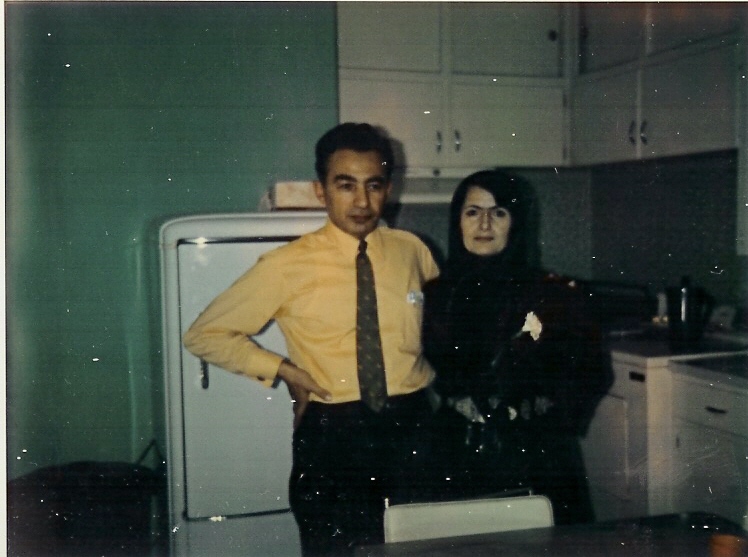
pixel 604 118
pixel 678 105
pixel 518 39
pixel 475 125
pixel 709 471
pixel 614 34
pixel 614 448
pixel 610 34
pixel 458 95
pixel 677 24
pixel 390 36
pixel 628 448
pixel 688 104
pixel 710 442
pixel 508 39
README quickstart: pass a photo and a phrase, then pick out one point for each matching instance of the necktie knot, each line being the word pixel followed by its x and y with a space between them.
pixel 362 248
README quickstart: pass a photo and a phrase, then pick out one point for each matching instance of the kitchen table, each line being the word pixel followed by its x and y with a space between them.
pixel 676 535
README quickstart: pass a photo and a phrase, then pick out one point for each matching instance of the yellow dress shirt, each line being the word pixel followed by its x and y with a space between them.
pixel 309 288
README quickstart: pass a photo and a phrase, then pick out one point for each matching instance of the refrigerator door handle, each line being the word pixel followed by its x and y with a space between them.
pixel 204 377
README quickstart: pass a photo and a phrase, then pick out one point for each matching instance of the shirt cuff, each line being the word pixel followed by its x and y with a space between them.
pixel 265 367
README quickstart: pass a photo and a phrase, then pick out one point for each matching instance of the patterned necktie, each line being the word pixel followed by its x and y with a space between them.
pixel 368 343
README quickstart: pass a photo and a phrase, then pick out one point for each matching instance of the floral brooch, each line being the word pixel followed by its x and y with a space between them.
pixel 532 325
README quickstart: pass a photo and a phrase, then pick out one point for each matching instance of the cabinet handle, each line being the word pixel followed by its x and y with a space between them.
pixel 713 410
pixel 643 132
pixel 636 376
pixel 204 377
pixel 458 141
pixel 632 126
pixel 438 142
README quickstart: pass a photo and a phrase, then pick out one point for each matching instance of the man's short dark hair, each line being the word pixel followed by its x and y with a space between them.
pixel 357 137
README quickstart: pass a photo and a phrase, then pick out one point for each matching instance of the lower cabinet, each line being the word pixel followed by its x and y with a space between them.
pixel 615 447
pixel 710 471
pixel 710 449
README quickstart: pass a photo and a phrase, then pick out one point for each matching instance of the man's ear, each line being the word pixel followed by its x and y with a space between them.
pixel 319 191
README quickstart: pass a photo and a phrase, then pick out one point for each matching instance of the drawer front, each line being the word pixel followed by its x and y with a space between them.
pixel 704 404
pixel 629 381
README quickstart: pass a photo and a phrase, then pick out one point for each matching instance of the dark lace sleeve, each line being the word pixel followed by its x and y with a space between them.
pixel 437 338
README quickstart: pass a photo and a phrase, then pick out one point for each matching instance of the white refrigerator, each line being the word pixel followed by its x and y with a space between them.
pixel 228 436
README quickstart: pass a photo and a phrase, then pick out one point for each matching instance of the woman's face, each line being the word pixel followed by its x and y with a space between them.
pixel 485 227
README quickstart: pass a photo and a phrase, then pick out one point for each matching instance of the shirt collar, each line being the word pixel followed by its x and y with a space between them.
pixel 347 243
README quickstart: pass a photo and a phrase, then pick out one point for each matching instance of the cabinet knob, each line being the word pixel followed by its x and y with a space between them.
pixel 438 142
pixel 552 35
pixel 643 132
pixel 632 139
pixel 458 141
pixel 713 410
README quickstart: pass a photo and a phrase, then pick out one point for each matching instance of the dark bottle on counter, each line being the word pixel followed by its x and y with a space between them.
pixel 688 310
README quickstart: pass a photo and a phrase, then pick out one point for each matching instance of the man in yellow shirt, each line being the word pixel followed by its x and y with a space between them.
pixel 348 455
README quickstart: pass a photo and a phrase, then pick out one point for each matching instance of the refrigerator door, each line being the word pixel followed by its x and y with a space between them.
pixel 229 437
pixel 237 432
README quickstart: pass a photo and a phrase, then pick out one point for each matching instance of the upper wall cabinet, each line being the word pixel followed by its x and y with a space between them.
pixel 674 106
pixel 390 36
pixel 678 24
pixel 512 39
pixel 460 87
pixel 612 34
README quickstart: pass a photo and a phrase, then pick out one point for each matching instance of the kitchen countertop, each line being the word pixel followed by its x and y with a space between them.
pixel 649 347
pixel 730 370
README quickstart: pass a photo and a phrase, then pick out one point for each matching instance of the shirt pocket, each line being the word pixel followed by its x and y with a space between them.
pixel 401 315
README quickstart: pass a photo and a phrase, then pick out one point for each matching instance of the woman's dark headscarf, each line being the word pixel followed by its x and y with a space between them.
pixel 510 192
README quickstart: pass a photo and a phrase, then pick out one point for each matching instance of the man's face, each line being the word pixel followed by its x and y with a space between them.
pixel 355 191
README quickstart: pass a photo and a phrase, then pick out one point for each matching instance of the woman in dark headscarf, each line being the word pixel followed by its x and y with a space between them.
pixel 518 360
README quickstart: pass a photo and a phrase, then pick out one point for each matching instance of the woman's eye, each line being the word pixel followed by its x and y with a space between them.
pixel 500 213
pixel 471 212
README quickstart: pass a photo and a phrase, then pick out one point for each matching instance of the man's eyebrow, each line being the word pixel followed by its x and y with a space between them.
pixel 349 178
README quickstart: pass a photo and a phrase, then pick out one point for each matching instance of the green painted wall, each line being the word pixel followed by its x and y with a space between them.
pixel 120 116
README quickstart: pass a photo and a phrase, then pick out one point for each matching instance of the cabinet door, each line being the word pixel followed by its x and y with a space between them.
pixel 511 39
pixel 493 125
pixel 688 105
pixel 606 448
pixel 710 471
pixel 675 24
pixel 410 111
pixel 389 36
pixel 604 119
pixel 610 34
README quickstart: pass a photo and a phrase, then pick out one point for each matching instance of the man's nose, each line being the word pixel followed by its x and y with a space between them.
pixel 362 198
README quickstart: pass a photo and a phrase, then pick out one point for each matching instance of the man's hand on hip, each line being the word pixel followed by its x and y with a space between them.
pixel 300 386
